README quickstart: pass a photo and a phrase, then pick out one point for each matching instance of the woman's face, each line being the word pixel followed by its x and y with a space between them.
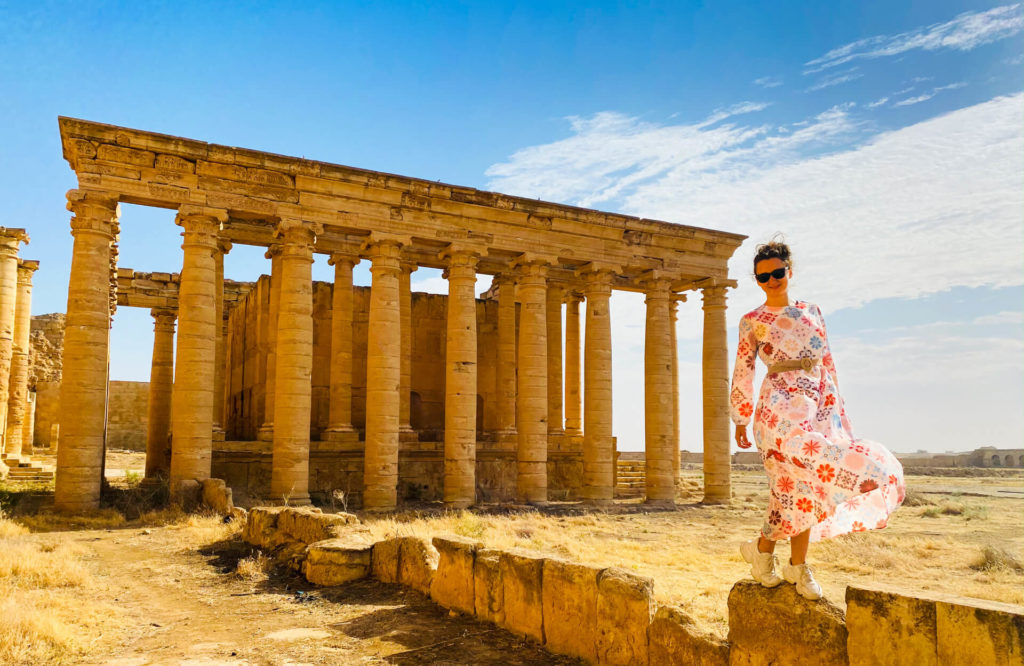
pixel 774 286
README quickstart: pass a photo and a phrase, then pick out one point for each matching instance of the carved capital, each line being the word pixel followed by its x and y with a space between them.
pixel 163 319
pixel 460 258
pixel 343 258
pixel 26 268
pixel 714 298
pixel 94 212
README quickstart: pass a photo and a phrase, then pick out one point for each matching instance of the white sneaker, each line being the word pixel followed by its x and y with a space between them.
pixel 762 565
pixel 803 577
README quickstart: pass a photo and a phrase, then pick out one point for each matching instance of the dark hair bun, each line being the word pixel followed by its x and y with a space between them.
pixel 775 248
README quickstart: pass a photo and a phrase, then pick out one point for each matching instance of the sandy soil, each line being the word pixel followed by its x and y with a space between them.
pixel 184 604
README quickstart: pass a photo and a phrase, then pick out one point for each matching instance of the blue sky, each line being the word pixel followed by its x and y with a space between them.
pixel 886 139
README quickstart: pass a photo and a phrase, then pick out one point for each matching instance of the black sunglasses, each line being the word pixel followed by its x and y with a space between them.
pixel 778 274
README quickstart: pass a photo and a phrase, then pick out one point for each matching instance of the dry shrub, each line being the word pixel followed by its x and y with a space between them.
pixel 255 568
pixel 996 558
pixel 52 627
pixel 916 498
pixel 48 521
pixel 9 528
pixel 38 564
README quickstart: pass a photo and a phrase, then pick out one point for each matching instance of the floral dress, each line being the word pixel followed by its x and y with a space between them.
pixel 819 476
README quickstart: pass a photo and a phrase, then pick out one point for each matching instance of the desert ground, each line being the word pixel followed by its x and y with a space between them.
pixel 164 587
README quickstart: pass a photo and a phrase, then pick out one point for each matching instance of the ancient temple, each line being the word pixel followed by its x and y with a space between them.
pixel 285 387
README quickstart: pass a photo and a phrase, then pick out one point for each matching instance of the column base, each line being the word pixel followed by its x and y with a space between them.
pixel 407 434
pixel 573 432
pixel 598 503
pixel 337 440
pixel 660 503
pixel 507 439
pixel 265 433
pixel 218 434
pixel 717 495
pixel 458 504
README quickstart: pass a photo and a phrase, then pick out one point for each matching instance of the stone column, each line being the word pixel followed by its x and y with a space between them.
pixel 715 375
pixel 17 402
pixel 598 444
pixel 532 400
pixel 194 369
pixel 83 387
pixel 266 431
pixel 289 476
pixel 28 431
pixel 383 376
pixel 554 335
pixel 405 431
pixel 223 247
pixel 658 420
pixel 161 385
pixel 340 411
pixel 573 411
pixel 9 239
pixel 506 370
pixel 674 342
pixel 460 380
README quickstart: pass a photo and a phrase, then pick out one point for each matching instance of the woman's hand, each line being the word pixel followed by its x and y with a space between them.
pixel 741 437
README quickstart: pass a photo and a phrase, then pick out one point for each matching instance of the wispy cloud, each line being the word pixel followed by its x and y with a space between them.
pixel 965 32
pixel 768 82
pixel 927 96
pixel 899 202
pixel 835 79
pixel 877 103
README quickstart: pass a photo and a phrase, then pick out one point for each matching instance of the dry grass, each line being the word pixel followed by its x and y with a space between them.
pixel 48 614
pixel 944 542
pixel 255 569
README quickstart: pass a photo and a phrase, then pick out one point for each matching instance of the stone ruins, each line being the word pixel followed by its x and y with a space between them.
pixel 17 404
pixel 284 388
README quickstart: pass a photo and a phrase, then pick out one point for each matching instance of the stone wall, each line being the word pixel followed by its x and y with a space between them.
pixel 245 464
pixel 47 407
pixel 608 615
pixel 126 415
pixel 46 349
pixel 249 344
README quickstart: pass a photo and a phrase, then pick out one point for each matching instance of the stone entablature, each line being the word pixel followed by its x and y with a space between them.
pixel 542 253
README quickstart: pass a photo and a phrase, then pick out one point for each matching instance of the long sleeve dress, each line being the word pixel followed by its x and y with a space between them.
pixel 819 476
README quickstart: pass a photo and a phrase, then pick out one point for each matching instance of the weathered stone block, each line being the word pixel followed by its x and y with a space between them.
pixel 972 631
pixel 452 586
pixel 624 608
pixel 417 562
pixel 217 496
pixel 110 153
pixel 673 638
pixel 3 471
pixel 337 561
pixel 521 579
pixel 569 601
pixel 385 560
pixel 488 591
pixel 310 525
pixel 777 626
pixel 187 494
pixel 888 628
pixel 261 525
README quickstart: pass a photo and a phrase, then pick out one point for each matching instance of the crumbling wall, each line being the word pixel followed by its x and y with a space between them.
pixel 606 615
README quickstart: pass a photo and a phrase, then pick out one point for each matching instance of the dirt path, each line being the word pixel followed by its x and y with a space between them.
pixel 186 606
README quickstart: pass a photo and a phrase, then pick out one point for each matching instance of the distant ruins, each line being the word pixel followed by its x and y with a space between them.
pixel 17 403
pixel 501 426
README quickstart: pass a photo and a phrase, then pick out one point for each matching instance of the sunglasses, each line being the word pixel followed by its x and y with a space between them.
pixel 778 274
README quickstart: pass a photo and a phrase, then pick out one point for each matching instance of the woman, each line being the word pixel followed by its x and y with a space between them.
pixel 822 482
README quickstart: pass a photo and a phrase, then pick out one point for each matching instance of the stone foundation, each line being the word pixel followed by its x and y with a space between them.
pixel 337 476
pixel 608 616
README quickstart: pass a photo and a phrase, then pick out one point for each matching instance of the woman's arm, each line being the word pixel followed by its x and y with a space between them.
pixel 741 396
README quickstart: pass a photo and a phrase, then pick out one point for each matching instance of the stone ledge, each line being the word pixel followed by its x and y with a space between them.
pixel 886 627
pixel 606 615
